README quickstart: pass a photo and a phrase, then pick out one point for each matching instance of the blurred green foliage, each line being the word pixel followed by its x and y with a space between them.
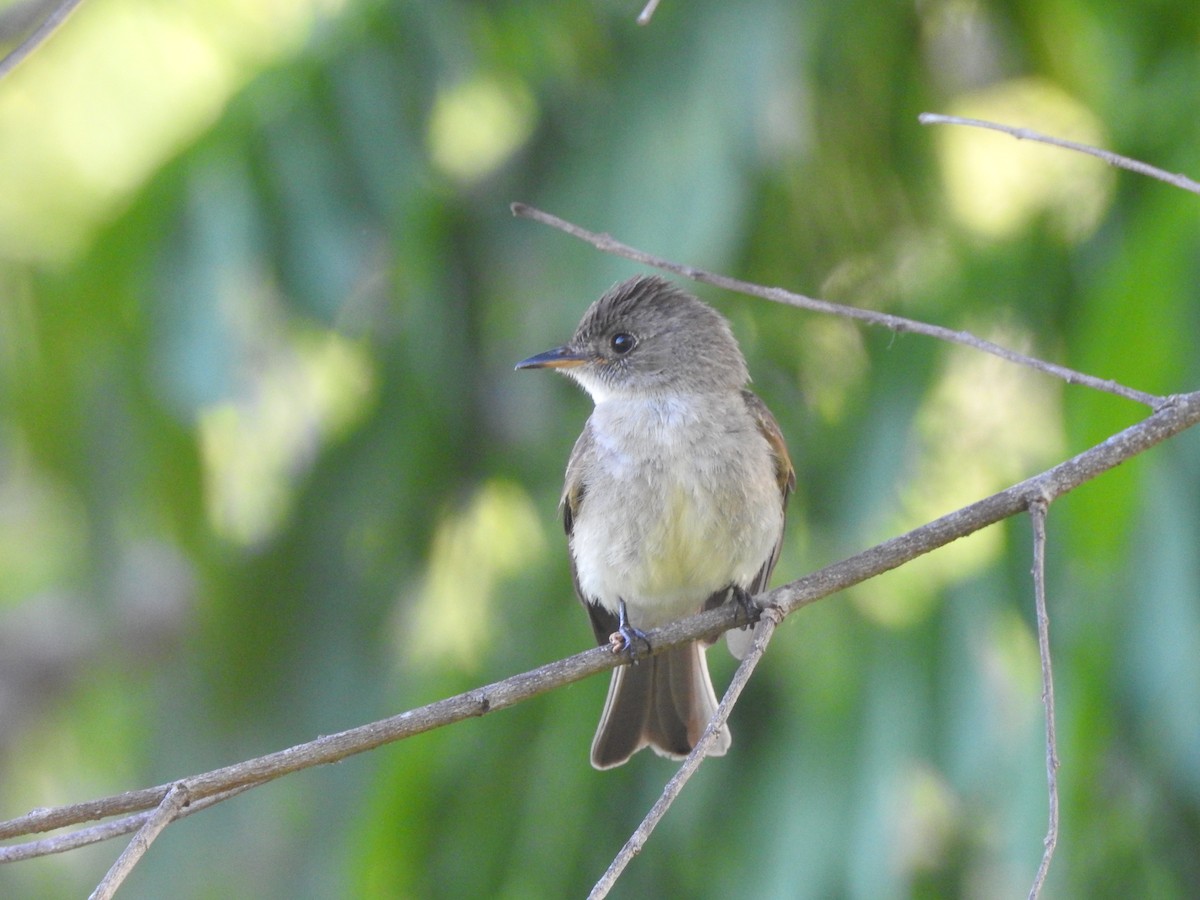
pixel 266 472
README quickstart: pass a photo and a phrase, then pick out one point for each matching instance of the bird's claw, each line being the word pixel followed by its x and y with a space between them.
pixel 745 606
pixel 625 638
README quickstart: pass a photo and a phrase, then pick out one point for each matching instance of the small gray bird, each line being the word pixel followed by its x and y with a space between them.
pixel 674 499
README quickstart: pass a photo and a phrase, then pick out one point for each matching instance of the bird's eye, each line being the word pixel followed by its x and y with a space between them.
pixel 622 343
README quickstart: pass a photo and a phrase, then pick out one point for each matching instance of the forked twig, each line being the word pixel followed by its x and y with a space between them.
pixel 163 816
pixel 1180 413
pixel 104 831
pixel 771 617
pixel 1171 416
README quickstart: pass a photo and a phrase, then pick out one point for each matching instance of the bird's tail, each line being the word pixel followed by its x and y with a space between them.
pixel 664 702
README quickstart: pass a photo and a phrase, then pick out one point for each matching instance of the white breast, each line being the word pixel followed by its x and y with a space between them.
pixel 680 501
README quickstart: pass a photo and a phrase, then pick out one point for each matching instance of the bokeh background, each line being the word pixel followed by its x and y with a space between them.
pixel 266 471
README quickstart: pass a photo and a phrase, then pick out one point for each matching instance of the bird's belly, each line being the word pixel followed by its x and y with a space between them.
pixel 664 546
pixel 688 549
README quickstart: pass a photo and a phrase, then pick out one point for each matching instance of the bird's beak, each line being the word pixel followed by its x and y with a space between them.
pixel 564 357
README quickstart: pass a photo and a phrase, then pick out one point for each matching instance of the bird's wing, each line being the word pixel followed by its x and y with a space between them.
pixel 785 476
pixel 604 623
pixel 741 639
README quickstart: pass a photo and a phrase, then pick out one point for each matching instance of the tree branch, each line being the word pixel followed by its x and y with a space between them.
pixel 94 834
pixel 38 36
pixel 771 617
pixel 899 324
pixel 336 747
pixel 1177 414
pixel 166 813
pixel 1028 134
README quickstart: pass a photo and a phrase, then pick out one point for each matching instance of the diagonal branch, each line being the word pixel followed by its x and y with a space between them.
pixel 94 834
pixel 336 747
pixel 1028 134
pixel 771 617
pixel 1177 414
pixel 166 813
pixel 38 36
pixel 898 324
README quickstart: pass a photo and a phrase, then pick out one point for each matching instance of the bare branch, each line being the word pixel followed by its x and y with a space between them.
pixel 21 17
pixel 164 815
pixel 1027 134
pixel 1037 513
pixel 336 747
pixel 762 636
pixel 94 834
pixel 38 36
pixel 1177 414
pixel 646 14
pixel 899 324
pixel 63 842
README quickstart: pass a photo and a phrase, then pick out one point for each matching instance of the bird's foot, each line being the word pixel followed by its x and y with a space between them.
pixel 625 638
pixel 745 608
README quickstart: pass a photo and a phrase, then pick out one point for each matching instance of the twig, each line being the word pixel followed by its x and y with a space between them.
pixel 164 815
pixel 762 636
pixel 94 834
pixel 899 324
pixel 1180 413
pixel 38 36
pixel 61 843
pixel 336 747
pixel 645 15
pixel 1027 134
pixel 1037 513
pixel 21 17
pixel 1177 414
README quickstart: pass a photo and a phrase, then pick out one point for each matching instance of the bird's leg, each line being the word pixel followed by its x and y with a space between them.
pixel 746 604
pixel 626 636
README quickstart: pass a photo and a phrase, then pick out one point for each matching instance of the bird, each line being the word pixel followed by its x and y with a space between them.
pixel 674 500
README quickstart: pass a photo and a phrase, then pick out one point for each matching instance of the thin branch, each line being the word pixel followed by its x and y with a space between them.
pixel 164 815
pixel 1027 134
pixel 771 617
pixel 1177 414
pixel 646 14
pixel 336 747
pixel 38 36
pixel 61 843
pixel 1037 513
pixel 21 17
pixel 104 831
pixel 899 324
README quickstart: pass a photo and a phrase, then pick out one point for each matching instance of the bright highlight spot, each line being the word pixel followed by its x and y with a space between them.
pixel 987 425
pixel 496 535
pixel 253 448
pixel 35 512
pixel 997 185
pixel 120 88
pixel 477 125
pixel 1007 656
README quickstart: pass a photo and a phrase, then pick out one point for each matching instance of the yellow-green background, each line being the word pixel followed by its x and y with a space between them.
pixel 266 471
